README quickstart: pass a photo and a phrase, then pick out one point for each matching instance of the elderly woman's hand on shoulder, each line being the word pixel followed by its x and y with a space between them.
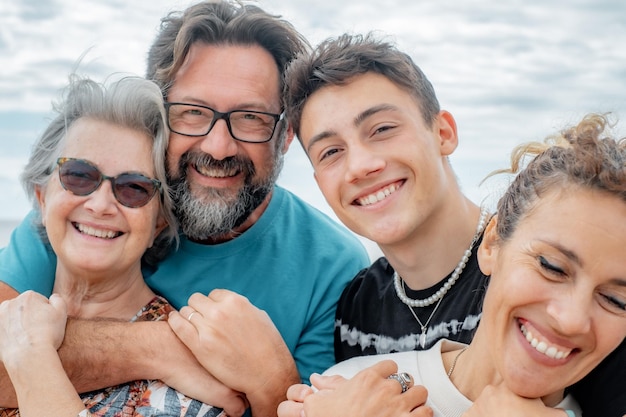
pixel 30 320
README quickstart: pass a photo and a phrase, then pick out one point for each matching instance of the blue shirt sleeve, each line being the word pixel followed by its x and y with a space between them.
pixel 315 350
pixel 27 263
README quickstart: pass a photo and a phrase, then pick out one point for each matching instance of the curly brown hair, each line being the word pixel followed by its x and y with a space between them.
pixel 584 156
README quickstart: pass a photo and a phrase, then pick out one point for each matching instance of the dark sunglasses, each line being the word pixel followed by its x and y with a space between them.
pixel 82 178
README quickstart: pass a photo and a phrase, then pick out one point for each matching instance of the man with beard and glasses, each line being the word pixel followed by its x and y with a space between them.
pixel 260 270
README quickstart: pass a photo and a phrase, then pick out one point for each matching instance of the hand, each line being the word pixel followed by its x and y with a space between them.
pixel 190 378
pixel 294 406
pixel 369 392
pixel 239 345
pixel 498 400
pixel 30 322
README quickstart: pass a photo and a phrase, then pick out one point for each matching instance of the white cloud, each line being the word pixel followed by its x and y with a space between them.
pixel 509 71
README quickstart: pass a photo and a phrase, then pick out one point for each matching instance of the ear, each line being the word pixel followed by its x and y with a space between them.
pixel 40 195
pixel 448 137
pixel 288 139
pixel 488 249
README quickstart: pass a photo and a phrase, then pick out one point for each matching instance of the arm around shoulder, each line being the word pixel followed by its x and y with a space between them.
pixel 27 262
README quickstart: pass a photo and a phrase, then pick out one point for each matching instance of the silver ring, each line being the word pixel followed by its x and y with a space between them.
pixel 191 315
pixel 404 378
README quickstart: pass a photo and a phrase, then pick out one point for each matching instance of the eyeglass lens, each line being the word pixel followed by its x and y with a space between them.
pixel 81 178
pixel 194 120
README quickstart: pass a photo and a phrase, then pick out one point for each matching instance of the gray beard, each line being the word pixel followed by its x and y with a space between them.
pixel 209 214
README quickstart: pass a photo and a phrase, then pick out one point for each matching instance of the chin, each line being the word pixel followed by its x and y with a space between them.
pixel 535 386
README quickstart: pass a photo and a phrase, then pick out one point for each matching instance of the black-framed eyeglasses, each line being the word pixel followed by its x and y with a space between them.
pixel 131 189
pixel 244 125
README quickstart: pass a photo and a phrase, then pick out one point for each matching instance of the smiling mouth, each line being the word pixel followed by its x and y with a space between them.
pixel 544 347
pixel 90 231
pixel 378 196
pixel 216 172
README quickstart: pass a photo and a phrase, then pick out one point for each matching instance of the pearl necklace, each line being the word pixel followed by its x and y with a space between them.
pixel 397 281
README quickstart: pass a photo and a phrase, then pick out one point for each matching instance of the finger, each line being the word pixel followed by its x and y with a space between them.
pixel 189 313
pixel 200 303
pixel 416 395
pixel 404 379
pixel 385 368
pixel 235 406
pixel 195 297
pixel 220 294
pixel 298 392
pixel 326 381
pixel 58 303
pixel 31 296
pixel 185 330
pixel 290 409
pixel 422 411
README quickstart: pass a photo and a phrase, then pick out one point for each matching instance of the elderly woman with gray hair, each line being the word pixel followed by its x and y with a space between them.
pixel 96 177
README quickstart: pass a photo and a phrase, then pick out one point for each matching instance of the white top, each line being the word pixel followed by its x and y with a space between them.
pixel 427 369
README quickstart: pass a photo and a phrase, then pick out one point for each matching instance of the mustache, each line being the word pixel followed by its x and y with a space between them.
pixel 235 163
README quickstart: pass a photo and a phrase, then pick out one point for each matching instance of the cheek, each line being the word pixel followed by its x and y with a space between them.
pixel 263 156
pixel 57 202
pixel 510 288
pixel 56 214
pixel 145 223
pixel 175 150
pixel 328 186
pixel 610 333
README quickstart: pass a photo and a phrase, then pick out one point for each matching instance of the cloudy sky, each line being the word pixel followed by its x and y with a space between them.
pixel 509 71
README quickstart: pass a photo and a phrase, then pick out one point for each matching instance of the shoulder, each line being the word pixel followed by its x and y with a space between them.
pixel 299 220
pixel 370 283
pixel 370 287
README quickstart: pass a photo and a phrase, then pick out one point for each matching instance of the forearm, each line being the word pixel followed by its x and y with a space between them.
pixel 264 401
pixel 100 353
pixel 7 393
pixel 103 353
pixel 42 386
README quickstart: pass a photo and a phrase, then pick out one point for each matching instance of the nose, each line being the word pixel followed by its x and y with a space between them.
pixel 219 143
pixel 362 162
pixel 102 201
pixel 572 311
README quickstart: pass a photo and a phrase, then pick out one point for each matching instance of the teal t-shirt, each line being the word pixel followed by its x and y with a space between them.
pixel 293 263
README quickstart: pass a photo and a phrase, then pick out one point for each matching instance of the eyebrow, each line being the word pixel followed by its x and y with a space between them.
pixel 252 106
pixel 569 254
pixel 358 120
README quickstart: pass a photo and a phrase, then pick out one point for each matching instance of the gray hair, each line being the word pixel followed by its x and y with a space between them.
pixel 131 102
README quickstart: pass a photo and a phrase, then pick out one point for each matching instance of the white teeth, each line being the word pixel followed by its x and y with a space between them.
pixel 103 234
pixel 543 347
pixel 377 196
pixel 216 173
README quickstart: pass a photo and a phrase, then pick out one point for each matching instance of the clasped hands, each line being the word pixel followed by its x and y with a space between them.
pixel 240 347
pixel 369 392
